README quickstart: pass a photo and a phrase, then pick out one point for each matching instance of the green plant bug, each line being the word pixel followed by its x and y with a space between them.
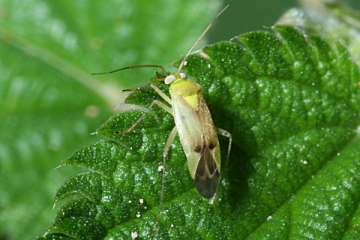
pixel 193 123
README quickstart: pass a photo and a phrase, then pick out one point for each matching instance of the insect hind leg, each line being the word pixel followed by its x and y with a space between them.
pixel 228 135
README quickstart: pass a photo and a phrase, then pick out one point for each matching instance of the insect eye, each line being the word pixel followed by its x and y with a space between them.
pixel 169 79
pixel 197 149
pixel 212 146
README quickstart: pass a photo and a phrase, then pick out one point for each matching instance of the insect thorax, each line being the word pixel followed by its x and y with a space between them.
pixel 184 87
pixel 187 89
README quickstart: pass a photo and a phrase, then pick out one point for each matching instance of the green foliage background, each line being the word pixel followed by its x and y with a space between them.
pixel 291 102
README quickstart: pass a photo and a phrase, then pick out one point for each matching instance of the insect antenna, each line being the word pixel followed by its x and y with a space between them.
pixel 202 35
pixel 131 67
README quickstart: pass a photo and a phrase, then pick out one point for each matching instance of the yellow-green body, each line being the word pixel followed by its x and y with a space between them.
pixel 197 134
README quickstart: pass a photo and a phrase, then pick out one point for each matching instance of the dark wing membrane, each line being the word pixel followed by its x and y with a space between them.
pixel 207 174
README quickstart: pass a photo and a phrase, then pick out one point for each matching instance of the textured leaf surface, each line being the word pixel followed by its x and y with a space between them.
pixel 291 101
pixel 49 103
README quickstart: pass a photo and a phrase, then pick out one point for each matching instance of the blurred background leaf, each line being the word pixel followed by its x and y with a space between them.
pixel 50 104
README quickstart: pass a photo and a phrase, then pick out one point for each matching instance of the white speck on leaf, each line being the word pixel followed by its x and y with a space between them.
pixel 134 235
pixel 160 168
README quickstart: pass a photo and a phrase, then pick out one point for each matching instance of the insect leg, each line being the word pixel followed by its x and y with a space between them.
pixel 161 93
pixel 167 146
pixel 154 103
pixel 125 107
pixel 224 133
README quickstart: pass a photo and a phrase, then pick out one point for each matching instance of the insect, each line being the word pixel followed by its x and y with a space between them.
pixel 197 132
pixel 193 124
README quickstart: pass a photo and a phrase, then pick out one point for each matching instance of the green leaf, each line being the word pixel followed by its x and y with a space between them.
pixel 50 103
pixel 291 101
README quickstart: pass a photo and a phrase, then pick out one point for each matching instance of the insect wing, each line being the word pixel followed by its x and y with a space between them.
pixel 208 169
pixel 189 129
pixel 199 141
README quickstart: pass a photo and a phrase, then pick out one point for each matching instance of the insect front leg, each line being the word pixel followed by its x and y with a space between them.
pixel 157 103
pixel 228 135
pixel 161 93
